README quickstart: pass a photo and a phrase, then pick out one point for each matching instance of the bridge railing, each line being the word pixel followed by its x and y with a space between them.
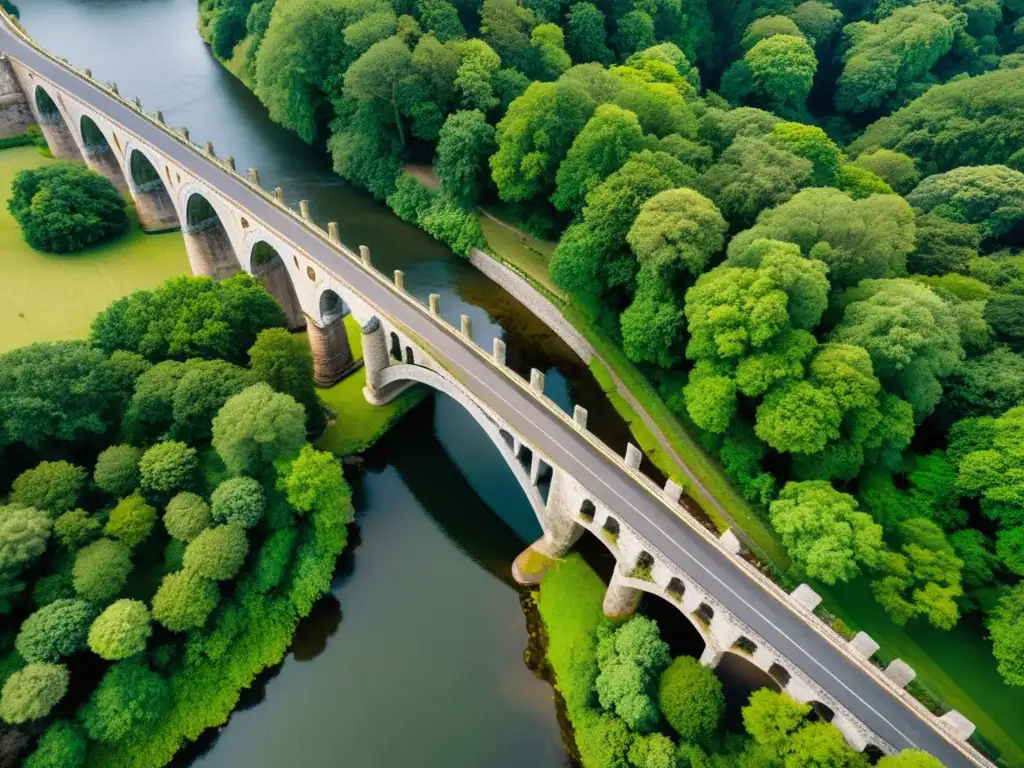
pixel 645 482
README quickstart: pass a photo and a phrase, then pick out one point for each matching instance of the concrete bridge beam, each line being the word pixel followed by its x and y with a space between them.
pixel 332 356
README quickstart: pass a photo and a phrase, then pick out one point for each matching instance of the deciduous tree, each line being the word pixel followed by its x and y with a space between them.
pixel 53 486
pixel 121 631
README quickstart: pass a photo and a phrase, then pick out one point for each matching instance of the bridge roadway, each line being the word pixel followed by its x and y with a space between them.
pixel 775 621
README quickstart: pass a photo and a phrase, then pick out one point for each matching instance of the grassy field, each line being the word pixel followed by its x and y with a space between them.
pixel 44 297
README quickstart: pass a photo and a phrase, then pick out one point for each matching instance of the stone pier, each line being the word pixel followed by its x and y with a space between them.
pixel 100 158
pixel 332 356
pixel 210 252
pixel 275 279
pixel 154 207
pixel 620 599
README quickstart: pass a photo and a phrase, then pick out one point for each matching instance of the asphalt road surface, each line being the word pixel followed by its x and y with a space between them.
pixel 778 624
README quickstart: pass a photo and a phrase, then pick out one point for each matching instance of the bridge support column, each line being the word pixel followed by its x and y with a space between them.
pixel 375 360
pixel 721 637
pixel 332 356
pixel 210 252
pixel 854 735
pixel 620 599
pixel 275 279
pixel 102 161
pixel 155 209
pixel 561 531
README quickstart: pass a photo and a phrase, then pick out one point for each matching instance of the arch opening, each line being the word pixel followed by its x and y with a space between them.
pixel 821 711
pixel 740 677
pixel 266 264
pixel 704 614
pixel 873 753
pixel 47 107
pixel 587 510
pixel 152 200
pixel 51 122
pixel 611 528
pixel 99 155
pixel 396 347
pixel 642 566
pixel 409 357
pixel 780 675
pixel 675 589
pixel 332 307
pixel 206 240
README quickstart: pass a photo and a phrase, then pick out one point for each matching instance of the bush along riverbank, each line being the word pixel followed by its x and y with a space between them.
pixel 165 524
pixel 631 705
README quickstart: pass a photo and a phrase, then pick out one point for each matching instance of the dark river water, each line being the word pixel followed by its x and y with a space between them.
pixel 416 658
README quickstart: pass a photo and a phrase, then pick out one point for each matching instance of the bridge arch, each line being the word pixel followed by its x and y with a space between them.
pixel 54 126
pixel 263 260
pixel 99 155
pixel 397 376
pixel 210 251
pixel 153 201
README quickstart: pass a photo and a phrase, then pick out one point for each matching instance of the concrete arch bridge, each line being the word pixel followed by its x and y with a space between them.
pixel 573 481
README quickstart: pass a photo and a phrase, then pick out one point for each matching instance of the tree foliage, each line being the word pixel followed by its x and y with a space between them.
pixel 826 535
pixel 32 692
pixel 130 697
pixel 24 532
pixel 257 427
pixel 117 470
pixel 691 699
pixel 55 630
pixel 66 207
pixel 101 569
pixel 167 468
pixel 185 600
pixel 53 486
pixel 121 631
pixel 631 659
pixel 186 516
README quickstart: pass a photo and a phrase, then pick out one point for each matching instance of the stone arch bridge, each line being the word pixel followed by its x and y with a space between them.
pixel 574 483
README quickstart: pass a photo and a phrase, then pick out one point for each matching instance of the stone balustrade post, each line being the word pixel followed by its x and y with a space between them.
pixel 400 280
pixel 672 492
pixel 633 456
pixel 466 326
pixel 900 672
pixel 304 209
pixel 229 162
pixel 579 417
pixel 253 174
pixel 279 195
pixel 863 645
pixel 184 134
pixel 208 148
pixel 434 300
pixel 332 232
pixel 498 352
pixel 536 381
pixel 364 256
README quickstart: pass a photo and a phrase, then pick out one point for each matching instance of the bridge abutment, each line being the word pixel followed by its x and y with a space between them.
pixel 332 355
pixel 15 114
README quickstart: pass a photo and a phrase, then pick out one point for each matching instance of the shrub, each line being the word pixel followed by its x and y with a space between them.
pixel 24 532
pixel 217 553
pixel 168 467
pixel 130 697
pixel 273 560
pixel 49 589
pixel 53 485
pixel 131 521
pixel 101 569
pixel 121 630
pixel 66 207
pixel 184 600
pixel 76 528
pixel 117 470
pixel 56 630
pixel 31 692
pixel 238 500
pixel 187 515
pixel 691 699
pixel 61 746
pixel 257 427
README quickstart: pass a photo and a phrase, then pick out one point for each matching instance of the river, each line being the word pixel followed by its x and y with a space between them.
pixel 416 657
